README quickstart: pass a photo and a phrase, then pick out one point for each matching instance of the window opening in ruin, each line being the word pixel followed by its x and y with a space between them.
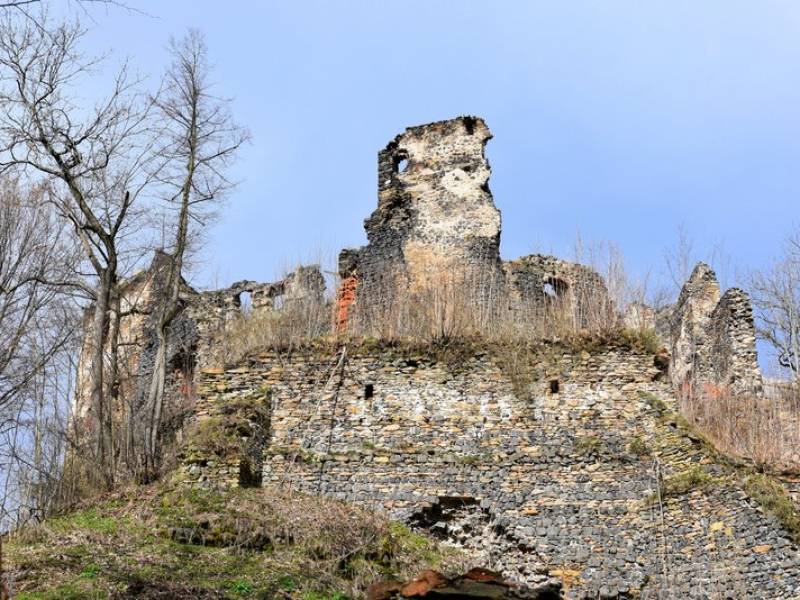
pixel 249 473
pixel 469 125
pixel 554 386
pixel 555 288
pixel 245 302
pixel 277 302
pixel 369 391
pixel 400 161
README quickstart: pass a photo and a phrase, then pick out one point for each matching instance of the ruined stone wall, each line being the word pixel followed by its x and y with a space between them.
pixel 713 339
pixel 436 222
pixel 436 226
pixel 201 318
pixel 732 351
pixel 542 466
pixel 547 281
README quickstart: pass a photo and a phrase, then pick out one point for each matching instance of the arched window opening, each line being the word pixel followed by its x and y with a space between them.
pixel 245 303
pixel 400 162
pixel 555 288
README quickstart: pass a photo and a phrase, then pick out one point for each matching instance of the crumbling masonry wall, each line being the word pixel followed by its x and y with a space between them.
pixel 549 282
pixel 543 469
pixel 202 317
pixel 713 340
pixel 436 226
pixel 436 222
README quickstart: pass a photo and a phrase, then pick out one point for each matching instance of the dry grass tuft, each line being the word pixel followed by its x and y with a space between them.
pixel 764 429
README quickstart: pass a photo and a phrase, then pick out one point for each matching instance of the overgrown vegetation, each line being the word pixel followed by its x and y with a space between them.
pixel 764 429
pixel 587 445
pixel 447 313
pixel 638 446
pixel 242 543
pixel 696 477
pixel 774 499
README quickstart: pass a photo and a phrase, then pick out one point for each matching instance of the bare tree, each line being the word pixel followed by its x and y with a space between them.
pixel 35 264
pixel 680 259
pixel 776 298
pixel 96 164
pixel 202 141
pixel 38 326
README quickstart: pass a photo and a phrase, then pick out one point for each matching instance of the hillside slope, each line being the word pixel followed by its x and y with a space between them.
pixel 542 461
pixel 168 542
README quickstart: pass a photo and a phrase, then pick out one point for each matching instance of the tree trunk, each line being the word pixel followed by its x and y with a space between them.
pixel 156 402
pixel 97 341
pixel 112 378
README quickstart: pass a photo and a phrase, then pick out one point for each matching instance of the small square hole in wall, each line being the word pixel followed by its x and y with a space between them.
pixel 369 391
pixel 554 386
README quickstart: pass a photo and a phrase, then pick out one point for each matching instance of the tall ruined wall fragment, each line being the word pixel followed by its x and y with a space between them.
pixel 732 358
pixel 713 339
pixel 436 220
pixel 436 228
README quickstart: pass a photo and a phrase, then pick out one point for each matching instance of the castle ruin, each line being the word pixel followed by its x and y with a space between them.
pixel 543 464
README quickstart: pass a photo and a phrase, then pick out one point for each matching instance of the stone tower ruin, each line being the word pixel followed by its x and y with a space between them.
pixel 436 219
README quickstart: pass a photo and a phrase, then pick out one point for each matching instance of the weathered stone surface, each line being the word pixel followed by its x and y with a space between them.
pixel 536 485
pixel 435 218
pixel 201 317
pixel 436 225
pixel 713 339
pixel 539 280
pixel 698 298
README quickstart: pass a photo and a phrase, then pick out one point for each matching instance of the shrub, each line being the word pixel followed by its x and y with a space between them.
pixel 678 484
pixel 763 428
pixel 588 445
pixel 775 500
pixel 638 447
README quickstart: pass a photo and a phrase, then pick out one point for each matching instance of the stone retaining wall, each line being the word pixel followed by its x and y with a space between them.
pixel 536 461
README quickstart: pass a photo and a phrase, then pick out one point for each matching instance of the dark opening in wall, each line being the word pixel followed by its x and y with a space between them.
pixel 469 125
pixel 245 302
pixel 554 386
pixel 400 161
pixel 249 473
pixel 555 288
pixel 369 391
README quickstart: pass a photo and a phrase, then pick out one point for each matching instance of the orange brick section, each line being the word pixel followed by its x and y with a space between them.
pixel 347 296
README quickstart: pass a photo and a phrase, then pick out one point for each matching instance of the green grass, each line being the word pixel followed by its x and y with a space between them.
pixel 241 543
pixel 586 445
pixel 680 484
pixel 775 500
pixel 638 447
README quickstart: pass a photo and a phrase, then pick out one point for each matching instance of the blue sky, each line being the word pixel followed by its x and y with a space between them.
pixel 618 120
